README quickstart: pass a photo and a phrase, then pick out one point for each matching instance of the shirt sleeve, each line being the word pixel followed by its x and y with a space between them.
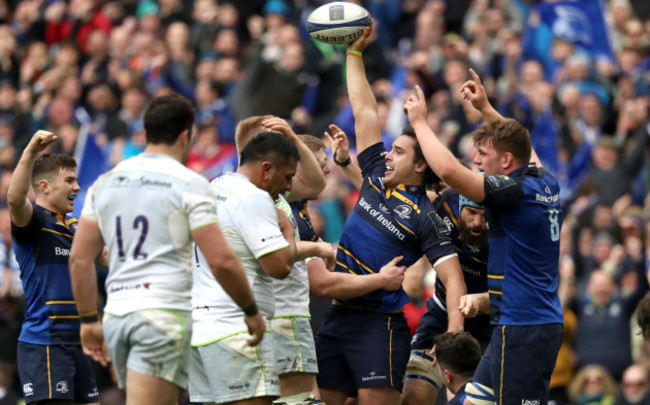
pixel 502 192
pixel 24 234
pixel 257 221
pixel 199 204
pixel 372 160
pixel 88 210
pixel 435 239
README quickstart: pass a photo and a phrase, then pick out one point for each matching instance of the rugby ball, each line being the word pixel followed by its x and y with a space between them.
pixel 339 22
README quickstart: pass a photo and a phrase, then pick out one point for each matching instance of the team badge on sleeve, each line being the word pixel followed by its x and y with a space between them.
pixel 441 228
pixel 500 181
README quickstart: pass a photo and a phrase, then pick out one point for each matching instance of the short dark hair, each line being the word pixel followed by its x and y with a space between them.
pixel 506 135
pixel 643 316
pixel 431 179
pixel 166 117
pixel 458 352
pixel 271 146
pixel 47 165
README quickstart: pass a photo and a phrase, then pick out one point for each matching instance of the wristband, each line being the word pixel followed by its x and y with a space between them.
pixel 89 318
pixel 344 163
pixel 251 310
pixel 355 53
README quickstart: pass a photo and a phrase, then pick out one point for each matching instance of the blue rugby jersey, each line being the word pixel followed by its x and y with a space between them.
pixel 386 223
pixel 524 221
pixel 473 260
pixel 42 249
pixel 305 228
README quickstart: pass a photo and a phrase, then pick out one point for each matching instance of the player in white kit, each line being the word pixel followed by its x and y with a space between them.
pixel 292 335
pixel 148 209
pixel 263 238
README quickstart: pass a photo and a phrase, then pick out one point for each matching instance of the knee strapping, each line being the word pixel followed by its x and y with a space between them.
pixel 479 394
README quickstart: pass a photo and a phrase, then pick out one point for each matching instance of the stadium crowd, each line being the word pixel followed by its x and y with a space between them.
pixel 86 70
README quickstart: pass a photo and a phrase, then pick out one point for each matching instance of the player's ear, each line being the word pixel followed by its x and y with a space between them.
pixel 43 186
pixel 267 170
pixel 185 137
pixel 507 160
pixel 421 167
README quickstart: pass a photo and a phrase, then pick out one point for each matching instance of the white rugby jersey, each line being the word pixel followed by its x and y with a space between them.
pixel 146 208
pixel 249 221
pixel 292 293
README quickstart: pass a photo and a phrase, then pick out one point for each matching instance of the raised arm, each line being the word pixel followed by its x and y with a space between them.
pixel 20 208
pixel 362 100
pixel 309 180
pixel 341 155
pixel 439 158
pixel 474 92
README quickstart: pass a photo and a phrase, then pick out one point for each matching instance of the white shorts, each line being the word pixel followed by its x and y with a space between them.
pixel 153 342
pixel 230 370
pixel 294 345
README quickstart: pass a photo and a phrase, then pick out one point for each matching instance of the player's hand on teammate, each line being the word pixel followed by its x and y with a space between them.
pixel 326 252
pixel 41 140
pixel 256 328
pixel 361 43
pixel 416 107
pixel 339 144
pixel 471 304
pixel 474 92
pixel 393 274
pixel 282 126
pixel 92 342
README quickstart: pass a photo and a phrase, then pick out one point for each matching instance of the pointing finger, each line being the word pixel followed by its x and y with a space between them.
pixel 475 76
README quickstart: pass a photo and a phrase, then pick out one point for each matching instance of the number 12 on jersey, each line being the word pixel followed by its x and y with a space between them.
pixel 140 222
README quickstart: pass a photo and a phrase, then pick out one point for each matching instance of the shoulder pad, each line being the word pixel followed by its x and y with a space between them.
pixel 500 181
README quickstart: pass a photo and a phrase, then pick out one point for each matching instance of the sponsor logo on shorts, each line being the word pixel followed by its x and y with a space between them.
pixel 93 394
pixel 62 387
pixel 28 390
pixel 373 376
pixel 530 401
pixel 237 387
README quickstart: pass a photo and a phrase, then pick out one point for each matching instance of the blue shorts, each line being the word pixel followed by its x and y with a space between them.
pixel 434 322
pixel 56 372
pixel 362 349
pixel 519 362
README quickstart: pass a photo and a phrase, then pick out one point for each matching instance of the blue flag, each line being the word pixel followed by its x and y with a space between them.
pixel 91 164
pixel 581 23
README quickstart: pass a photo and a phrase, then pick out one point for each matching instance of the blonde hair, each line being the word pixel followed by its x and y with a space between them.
pixel 576 387
pixel 247 129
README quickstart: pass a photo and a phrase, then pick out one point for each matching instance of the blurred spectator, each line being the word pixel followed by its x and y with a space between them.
pixel 592 386
pixel 603 335
pixel 634 387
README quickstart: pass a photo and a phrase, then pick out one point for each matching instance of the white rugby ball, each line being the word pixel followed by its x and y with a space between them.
pixel 338 22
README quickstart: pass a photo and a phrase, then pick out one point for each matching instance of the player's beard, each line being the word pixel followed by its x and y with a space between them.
pixel 468 238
